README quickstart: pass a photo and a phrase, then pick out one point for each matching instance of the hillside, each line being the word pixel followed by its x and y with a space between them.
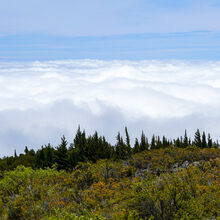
pixel 168 183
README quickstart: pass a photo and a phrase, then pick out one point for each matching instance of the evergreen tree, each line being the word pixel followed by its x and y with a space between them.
pixel 26 150
pixel 92 148
pixel 122 151
pixel 144 142
pixel 153 143
pixel 73 157
pixel 197 139
pixel 185 141
pixel 170 142
pixel 190 142
pixel 136 148
pixel 40 158
pixel 215 144
pixel 80 145
pixel 181 139
pixel 97 148
pixel 31 152
pixel 209 141
pixel 177 142
pixel 15 154
pixel 204 143
pixel 49 155
pixel 159 144
pixel 127 138
pixel 61 155
pixel 107 149
pixel 165 142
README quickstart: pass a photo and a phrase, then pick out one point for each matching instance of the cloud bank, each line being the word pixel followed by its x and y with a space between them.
pixel 40 101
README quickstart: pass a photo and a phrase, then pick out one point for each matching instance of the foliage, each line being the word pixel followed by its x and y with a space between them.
pixel 169 183
pixel 95 147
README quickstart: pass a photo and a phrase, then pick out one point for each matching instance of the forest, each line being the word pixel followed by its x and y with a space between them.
pixel 156 178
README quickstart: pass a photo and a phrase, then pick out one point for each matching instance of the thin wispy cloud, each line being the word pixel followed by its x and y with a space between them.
pixel 40 101
pixel 102 17
pixel 184 45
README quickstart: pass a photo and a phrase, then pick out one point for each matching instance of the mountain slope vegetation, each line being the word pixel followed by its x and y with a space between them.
pixel 91 179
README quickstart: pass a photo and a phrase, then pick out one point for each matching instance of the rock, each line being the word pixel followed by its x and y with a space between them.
pixel 140 173
pixel 196 163
pixel 175 166
pixel 185 164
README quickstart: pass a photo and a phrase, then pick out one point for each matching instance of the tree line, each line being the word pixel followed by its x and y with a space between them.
pixel 94 147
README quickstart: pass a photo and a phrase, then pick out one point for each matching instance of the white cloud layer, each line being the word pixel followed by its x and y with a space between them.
pixel 40 101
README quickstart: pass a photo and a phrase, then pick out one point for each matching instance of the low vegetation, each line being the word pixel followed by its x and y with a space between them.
pixel 91 179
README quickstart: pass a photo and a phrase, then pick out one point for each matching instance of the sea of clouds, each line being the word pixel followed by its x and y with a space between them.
pixel 41 101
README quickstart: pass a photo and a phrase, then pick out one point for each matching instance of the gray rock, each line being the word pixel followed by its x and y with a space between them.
pixel 185 164
pixel 196 163
pixel 141 173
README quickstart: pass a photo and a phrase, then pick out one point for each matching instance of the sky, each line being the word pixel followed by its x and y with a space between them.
pixel 103 17
pixel 149 65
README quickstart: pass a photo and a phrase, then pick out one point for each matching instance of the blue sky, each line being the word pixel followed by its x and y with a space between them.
pixel 103 17
pixel 190 45
pixel 102 29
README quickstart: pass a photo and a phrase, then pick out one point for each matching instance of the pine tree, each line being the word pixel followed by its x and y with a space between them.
pixel 107 149
pixel 61 155
pixel 78 136
pixel 197 139
pixel 122 151
pixel 49 156
pixel 153 143
pixel 177 142
pixel 144 142
pixel 80 145
pixel 165 142
pixel 92 150
pixel 15 154
pixel 209 141
pixel 170 142
pixel 190 142
pixel 204 143
pixel 185 141
pixel 40 158
pixel 159 143
pixel 26 150
pixel 127 138
pixel 215 144
pixel 136 148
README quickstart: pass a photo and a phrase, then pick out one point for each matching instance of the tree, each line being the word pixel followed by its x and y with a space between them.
pixel 197 139
pixel 144 142
pixel 80 145
pixel 40 158
pixel 15 154
pixel 165 142
pixel 159 143
pixel 209 141
pixel 26 150
pixel 177 142
pixel 49 156
pixel 153 143
pixel 185 141
pixel 122 150
pixel 61 156
pixel 190 142
pixel 127 138
pixel 136 146
pixel 204 143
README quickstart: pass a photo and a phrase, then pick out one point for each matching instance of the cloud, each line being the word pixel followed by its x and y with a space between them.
pixel 41 101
